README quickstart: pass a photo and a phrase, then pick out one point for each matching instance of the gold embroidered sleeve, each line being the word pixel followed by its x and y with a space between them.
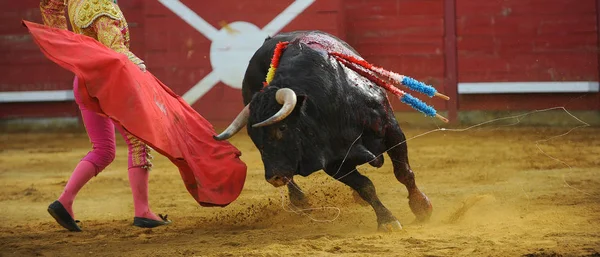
pixel 87 11
pixel 53 13
pixel 109 34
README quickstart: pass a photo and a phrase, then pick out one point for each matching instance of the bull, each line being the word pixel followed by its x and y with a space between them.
pixel 317 114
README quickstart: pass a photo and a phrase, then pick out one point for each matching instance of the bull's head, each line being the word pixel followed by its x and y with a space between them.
pixel 275 135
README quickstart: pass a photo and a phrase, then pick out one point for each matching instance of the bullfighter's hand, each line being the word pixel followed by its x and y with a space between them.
pixel 142 67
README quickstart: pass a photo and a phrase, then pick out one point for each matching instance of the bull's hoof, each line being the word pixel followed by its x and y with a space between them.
pixel 392 226
pixel 299 202
pixel 420 206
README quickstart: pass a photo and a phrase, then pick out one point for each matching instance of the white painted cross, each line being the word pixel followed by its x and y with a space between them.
pixel 231 52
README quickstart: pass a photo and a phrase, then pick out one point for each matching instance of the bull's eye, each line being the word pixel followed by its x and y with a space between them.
pixel 282 127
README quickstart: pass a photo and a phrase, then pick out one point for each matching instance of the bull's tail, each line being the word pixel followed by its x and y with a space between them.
pixel 387 79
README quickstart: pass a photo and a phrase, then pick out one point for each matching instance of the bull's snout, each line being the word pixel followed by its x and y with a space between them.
pixel 278 181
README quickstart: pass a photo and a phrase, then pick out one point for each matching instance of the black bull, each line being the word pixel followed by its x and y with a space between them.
pixel 316 115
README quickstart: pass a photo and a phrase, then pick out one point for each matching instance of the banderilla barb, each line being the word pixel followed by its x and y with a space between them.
pixel 381 77
pixel 387 79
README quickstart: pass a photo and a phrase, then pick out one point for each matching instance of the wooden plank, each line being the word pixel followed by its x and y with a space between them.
pixel 387 26
pixel 523 7
pixel 417 66
pixel 429 8
pixel 475 45
pixel 451 54
pixel 513 25
pixel 520 102
pixel 567 24
pixel 396 39
pixel 531 75
pixel 528 87
pixel 38 110
pixel 249 8
pixel 360 10
pixel 528 67
pixel 598 45
pixel 36 96
pixel 573 43
pixel 394 49
pixel 325 21
pixel 341 21
pixel 35 77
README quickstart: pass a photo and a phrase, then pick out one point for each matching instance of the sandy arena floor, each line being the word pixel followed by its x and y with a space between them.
pixel 494 192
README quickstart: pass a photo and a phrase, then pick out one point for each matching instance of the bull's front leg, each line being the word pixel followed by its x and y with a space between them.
pixel 297 197
pixel 365 188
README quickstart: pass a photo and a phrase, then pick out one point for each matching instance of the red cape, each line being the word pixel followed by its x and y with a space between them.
pixel 112 85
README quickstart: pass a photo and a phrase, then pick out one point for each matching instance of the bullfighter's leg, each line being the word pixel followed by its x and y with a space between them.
pixel 365 188
pixel 101 133
pixel 419 203
pixel 139 167
pixel 296 195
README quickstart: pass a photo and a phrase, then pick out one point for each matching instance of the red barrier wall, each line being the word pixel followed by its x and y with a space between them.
pixel 527 40
pixel 496 40
pixel 406 36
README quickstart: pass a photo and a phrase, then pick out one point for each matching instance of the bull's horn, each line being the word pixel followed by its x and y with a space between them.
pixel 240 121
pixel 284 96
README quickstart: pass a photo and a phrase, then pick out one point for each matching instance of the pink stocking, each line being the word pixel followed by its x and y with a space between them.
pixel 84 171
pixel 138 180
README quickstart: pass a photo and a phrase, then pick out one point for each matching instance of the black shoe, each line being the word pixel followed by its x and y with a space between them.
pixel 60 214
pixel 150 223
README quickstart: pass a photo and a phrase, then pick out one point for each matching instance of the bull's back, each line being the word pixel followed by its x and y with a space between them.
pixel 259 63
pixel 359 88
pixel 318 41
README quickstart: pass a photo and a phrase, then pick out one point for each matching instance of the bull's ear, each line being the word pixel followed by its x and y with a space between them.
pixel 300 103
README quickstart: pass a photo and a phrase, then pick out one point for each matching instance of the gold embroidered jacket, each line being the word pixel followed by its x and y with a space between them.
pixel 99 19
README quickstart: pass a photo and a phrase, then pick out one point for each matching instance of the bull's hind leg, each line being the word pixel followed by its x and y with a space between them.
pixel 365 188
pixel 417 200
